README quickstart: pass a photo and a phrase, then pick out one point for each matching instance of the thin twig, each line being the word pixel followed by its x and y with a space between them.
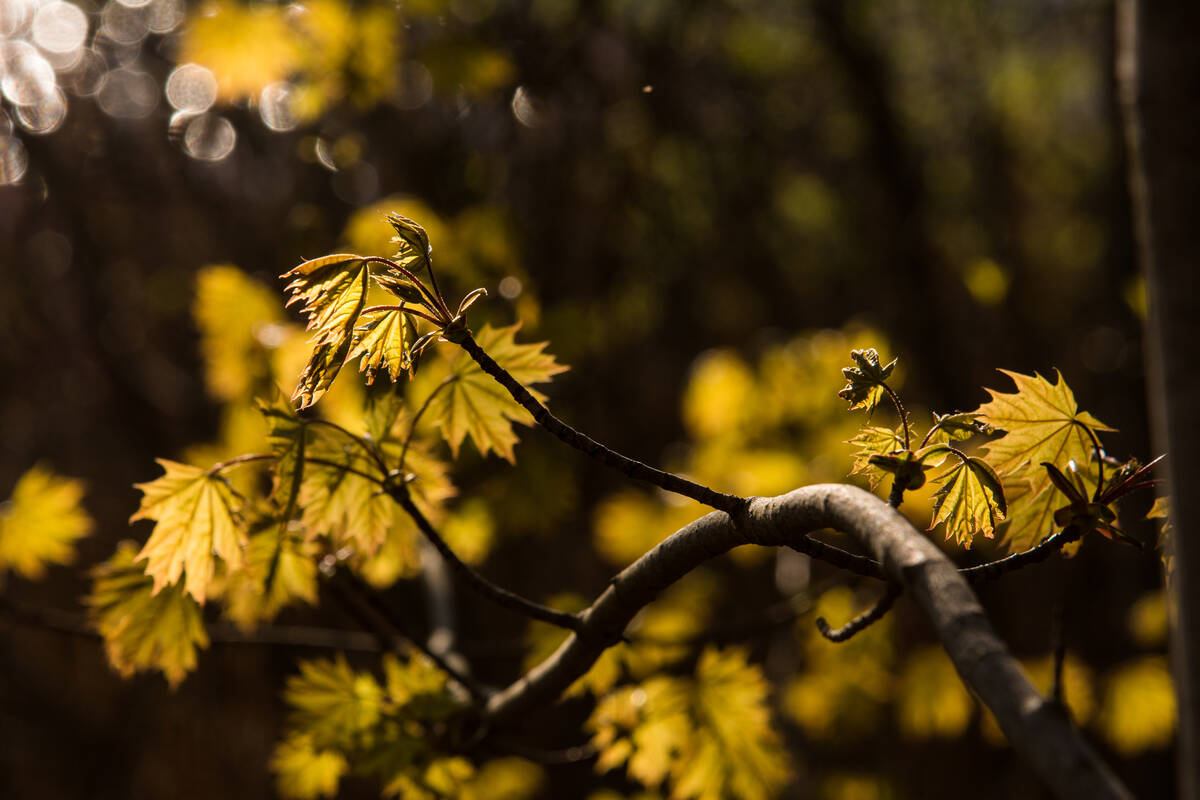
pixel 497 594
pixel 1039 552
pixel 73 624
pixel 353 437
pixel 729 503
pixel 899 410
pixel 863 620
pixel 362 604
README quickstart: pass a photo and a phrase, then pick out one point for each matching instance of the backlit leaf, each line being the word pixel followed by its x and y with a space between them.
pixel 344 506
pixel 40 523
pixel 874 440
pixel 864 381
pixel 709 736
pixel 956 427
pixel 144 628
pixel 383 339
pixel 332 703
pixel 970 501
pixel 1041 422
pixel 318 374
pixel 302 772
pixel 290 564
pixel 414 250
pixel 475 405
pixel 196 520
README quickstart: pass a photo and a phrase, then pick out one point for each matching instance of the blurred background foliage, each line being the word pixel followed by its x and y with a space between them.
pixel 703 207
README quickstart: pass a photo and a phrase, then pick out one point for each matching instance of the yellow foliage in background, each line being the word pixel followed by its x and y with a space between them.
pixel 40 523
pixel 1139 708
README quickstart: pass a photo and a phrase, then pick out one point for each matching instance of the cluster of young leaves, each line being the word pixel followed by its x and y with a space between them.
pixel 345 721
pixel 707 736
pixel 40 523
pixel 1031 440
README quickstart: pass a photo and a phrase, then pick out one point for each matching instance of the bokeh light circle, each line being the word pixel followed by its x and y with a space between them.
pixel 127 94
pixel 209 137
pixel 28 76
pixel 60 27
pixel 191 87
pixel 275 107
pixel 44 116
pixel 13 160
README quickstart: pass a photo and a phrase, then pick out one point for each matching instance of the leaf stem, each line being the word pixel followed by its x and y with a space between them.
pixel 412 429
pixel 354 438
pixel 327 463
pixel 407 310
pixel 412 277
pixel 899 410
pixel 221 466
pixel 729 503
pixel 499 595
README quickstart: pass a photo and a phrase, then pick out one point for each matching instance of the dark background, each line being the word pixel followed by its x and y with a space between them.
pixel 700 175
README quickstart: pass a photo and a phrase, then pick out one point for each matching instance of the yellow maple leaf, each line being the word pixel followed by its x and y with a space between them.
pixel 40 522
pixel 195 517
pixel 1041 422
pixel 474 405
pixel 144 628
pixel 304 772
pixel 970 501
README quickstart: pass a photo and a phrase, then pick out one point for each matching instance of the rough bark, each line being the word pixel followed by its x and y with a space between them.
pixel 1158 80
pixel 1038 730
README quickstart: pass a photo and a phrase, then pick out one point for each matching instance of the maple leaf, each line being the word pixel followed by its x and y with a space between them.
pixel 874 440
pixel 384 339
pixel 414 251
pixel 332 703
pixel 709 735
pixel 1041 422
pixel 196 517
pixel 144 627
pixel 277 572
pixel 343 505
pixel 303 772
pixel 956 428
pixel 40 522
pixel 864 382
pixel 332 291
pixel 474 405
pixel 970 500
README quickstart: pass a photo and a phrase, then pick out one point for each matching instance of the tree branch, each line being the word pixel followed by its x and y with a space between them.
pixel 1037 729
pixel 610 458
pixel 497 594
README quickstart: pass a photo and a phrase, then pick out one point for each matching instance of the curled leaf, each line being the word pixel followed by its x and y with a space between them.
pixel 864 382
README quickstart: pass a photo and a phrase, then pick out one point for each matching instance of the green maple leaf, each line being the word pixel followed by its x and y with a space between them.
pixel 304 772
pixel 474 405
pixel 195 516
pixel 384 339
pixel 40 523
pixel 970 500
pixel 332 703
pixel 1041 422
pixel 871 441
pixel 144 627
pixel 864 381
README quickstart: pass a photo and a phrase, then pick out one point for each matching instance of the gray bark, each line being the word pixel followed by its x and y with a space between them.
pixel 1037 729
pixel 1158 79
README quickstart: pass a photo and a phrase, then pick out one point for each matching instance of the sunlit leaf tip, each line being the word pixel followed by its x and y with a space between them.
pixel 864 381
pixel 413 240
